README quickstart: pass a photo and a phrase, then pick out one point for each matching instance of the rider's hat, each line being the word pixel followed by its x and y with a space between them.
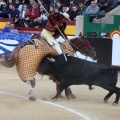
pixel 66 15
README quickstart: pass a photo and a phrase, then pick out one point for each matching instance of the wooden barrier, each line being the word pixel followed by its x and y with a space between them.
pixel 70 30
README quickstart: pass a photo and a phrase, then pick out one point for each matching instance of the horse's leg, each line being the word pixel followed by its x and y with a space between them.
pixel 31 84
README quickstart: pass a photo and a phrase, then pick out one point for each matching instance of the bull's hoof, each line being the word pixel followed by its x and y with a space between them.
pixel 60 96
pixel 105 100
pixel 115 104
pixel 32 98
pixel 54 98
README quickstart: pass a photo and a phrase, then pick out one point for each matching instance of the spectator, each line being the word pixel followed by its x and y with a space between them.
pixel 114 3
pixel 64 2
pixel 87 3
pixel 71 3
pixel 18 5
pixel 13 29
pixel 4 10
pixel 51 10
pixel 42 14
pixel 23 13
pixel 94 34
pixel 59 6
pixel 92 10
pixel 10 2
pixel 30 3
pixel 79 1
pixel 56 9
pixel 105 6
pixel 39 23
pixel 28 22
pixel 33 11
pixel 81 8
pixel 26 2
pixel 12 12
pixel 53 3
pixel 65 9
pixel 43 3
pixel 7 27
pixel 73 13
pixel 48 3
pixel 18 22
pixel 1 2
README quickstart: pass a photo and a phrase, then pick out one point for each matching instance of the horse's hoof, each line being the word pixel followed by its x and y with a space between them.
pixel 115 104
pixel 32 98
pixel 91 88
pixel 68 97
pixel 72 96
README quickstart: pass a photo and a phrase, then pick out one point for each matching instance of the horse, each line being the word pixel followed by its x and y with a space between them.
pixel 28 56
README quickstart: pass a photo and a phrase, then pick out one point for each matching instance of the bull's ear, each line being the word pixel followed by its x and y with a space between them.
pixel 51 59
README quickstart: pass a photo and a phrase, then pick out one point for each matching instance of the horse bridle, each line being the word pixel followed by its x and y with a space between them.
pixel 74 46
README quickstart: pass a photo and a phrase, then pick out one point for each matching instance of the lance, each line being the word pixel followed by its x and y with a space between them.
pixel 59 28
pixel 55 25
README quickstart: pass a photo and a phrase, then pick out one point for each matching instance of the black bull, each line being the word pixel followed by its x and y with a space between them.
pixel 76 71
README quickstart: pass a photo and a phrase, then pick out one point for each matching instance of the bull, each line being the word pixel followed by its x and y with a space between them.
pixel 77 71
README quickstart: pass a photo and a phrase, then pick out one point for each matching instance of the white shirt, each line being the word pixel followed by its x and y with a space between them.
pixel 23 14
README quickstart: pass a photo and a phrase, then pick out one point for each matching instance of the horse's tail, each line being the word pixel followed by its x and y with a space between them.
pixel 10 61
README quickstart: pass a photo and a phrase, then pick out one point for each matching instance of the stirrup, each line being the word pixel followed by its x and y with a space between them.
pixel 64 56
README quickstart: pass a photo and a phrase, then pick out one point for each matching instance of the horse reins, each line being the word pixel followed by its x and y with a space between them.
pixel 63 46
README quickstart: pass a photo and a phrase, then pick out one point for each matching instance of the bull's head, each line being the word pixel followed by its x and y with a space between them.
pixel 46 66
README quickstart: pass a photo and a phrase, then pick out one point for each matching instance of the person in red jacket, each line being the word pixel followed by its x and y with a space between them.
pixel 51 32
pixel 33 11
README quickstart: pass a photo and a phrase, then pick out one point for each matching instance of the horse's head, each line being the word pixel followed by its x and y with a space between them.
pixel 82 45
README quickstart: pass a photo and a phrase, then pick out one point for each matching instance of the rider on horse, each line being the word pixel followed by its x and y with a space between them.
pixel 50 33
pixel 56 25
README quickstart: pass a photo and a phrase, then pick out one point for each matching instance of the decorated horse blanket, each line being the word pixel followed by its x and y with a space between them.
pixel 30 57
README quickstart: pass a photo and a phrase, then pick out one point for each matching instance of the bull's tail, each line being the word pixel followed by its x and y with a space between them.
pixel 10 61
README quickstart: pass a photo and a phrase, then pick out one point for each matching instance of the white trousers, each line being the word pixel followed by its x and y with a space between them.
pixel 48 36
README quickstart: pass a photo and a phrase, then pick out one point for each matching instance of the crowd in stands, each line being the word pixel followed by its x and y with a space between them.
pixel 10 27
pixel 30 13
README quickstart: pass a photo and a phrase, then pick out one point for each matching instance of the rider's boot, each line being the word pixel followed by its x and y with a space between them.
pixel 58 49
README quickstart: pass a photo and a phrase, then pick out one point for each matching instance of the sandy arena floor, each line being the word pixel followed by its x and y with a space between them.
pixel 89 105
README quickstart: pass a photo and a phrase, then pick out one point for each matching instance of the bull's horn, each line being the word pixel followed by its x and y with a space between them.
pixel 51 59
